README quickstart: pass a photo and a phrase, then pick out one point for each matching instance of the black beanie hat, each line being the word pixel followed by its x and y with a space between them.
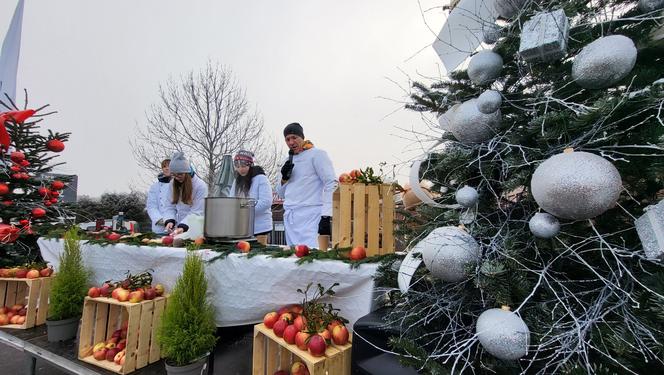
pixel 294 128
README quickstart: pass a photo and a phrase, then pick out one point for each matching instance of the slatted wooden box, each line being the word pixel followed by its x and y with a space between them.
pixel 272 353
pixel 364 216
pixel 102 316
pixel 30 292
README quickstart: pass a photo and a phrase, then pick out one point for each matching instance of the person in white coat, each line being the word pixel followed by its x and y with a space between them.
pixel 187 194
pixel 251 182
pixel 158 198
pixel 307 184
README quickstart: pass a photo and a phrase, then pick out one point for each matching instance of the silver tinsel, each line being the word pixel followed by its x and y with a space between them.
pixel 544 37
pixel 647 6
pixel 489 101
pixel 508 8
pixel 544 225
pixel 491 33
pixel 650 227
pixel 469 125
pixel 447 251
pixel 604 62
pixel 503 334
pixel 467 196
pixel 485 67
pixel 576 185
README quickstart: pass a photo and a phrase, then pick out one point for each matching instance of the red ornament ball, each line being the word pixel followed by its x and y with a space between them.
pixel 15 168
pixel 55 194
pixel 24 222
pixel 24 163
pixel 54 200
pixel 55 145
pixel 7 203
pixel 4 189
pixel 17 176
pixel 47 203
pixel 57 185
pixel 38 212
pixel 17 157
pixel 43 191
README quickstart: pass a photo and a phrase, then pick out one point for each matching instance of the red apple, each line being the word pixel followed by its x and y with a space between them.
pixel 358 253
pixel 340 335
pixel 299 368
pixel 105 290
pixel 301 340
pixel 118 357
pixel 301 250
pixel 280 327
pixel 136 296
pixel 4 310
pixel 334 323
pixel 345 178
pixel 17 307
pixel 122 295
pixel 46 272
pixel 20 320
pixel 113 236
pixel 116 333
pixel 10 315
pixel 110 354
pixel 295 309
pixel 168 240
pixel 300 322
pixel 150 293
pixel 270 318
pixel 289 334
pixel 122 344
pixel 100 354
pixel 159 289
pixel 4 320
pixel 23 312
pixel 32 274
pixel 21 273
pixel 325 334
pixel 288 317
pixel 243 246
pixel 317 346
pixel 94 292
pixel 14 319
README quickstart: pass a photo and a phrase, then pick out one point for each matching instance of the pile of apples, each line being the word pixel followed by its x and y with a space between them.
pixel 350 177
pixel 13 315
pixel 298 368
pixel 125 295
pixel 289 323
pixel 25 272
pixel 113 349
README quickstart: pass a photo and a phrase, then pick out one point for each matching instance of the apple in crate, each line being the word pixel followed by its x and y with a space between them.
pixel 122 344
pixel 20 320
pixel 270 318
pixel 23 312
pixel 243 246
pixel 150 293
pixel 289 334
pixel 32 274
pixel 288 317
pixel 300 322
pixel 119 357
pixel 111 353
pixel 99 351
pixel 299 368
pixel 16 308
pixel 21 273
pixel 280 327
pixel 301 250
pixel 159 289
pixel 325 334
pixel 358 253
pixel 340 335
pixel 301 340
pixel 136 296
pixel 281 372
pixel 4 320
pixel 317 346
pixel 105 290
pixel 46 272
pixel 334 323
pixel 14 319
pixel 122 295
pixel 94 292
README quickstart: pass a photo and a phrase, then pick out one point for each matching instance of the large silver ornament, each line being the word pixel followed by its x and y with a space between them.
pixel 604 62
pixel 447 251
pixel 544 225
pixel 469 125
pixel 647 6
pixel 485 67
pixel 576 185
pixel 467 196
pixel 489 101
pixel 508 8
pixel 503 334
pixel 544 37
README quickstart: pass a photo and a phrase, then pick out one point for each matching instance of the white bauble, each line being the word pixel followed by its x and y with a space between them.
pixel 489 101
pixel 544 225
pixel 469 125
pixel 445 120
pixel 467 196
pixel 485 67
pixel 447 251
pixel 604 62
pixel 503 334
pixel 576 185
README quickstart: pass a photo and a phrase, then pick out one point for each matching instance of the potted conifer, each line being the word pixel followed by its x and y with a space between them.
pixel 187 330
pixel 67 291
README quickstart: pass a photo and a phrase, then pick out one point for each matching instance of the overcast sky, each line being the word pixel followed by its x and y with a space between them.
pixel 325 64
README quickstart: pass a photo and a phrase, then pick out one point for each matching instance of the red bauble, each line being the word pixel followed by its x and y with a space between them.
pixel 47 203
pixel 15 168
pixel 24 163
pixel 7 203
pixel 43 191
pixel 54 200
pixel 17 176
pixel 57 185
pixel 55 145
pixel 24 222
pixel 4 189
pixel 17 157
pixel 8 233
pixel 25 176
pixel 55 194
pixel 38 212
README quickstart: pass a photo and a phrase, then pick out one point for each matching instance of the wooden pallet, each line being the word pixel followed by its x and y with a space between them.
pixel 272 353
pixel 363 215
pixel 30 292
pixel 102 316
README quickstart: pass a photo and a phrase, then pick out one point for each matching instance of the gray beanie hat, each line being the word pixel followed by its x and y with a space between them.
pixel 179 164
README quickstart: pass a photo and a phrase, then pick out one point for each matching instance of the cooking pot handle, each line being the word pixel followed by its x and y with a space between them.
pixel 249 203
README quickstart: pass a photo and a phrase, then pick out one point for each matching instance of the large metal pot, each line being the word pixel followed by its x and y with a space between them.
pixel 227 217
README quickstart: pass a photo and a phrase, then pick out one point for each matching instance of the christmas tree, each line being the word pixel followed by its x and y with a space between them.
pixel 29 196
pixel 552 149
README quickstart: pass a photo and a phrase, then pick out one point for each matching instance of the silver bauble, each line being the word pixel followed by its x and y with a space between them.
pixel 489 101
pixel 503 334
pixel 604 62
pixel 469 125
pixel 467 196
pixel 576 185
pixel 447 251
pixel 445 120
pixel 647 6
pixel 485 67
pixel 544 225
pixel 508 8
pixel 491 33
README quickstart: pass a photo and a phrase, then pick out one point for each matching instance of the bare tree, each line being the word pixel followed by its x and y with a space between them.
pixel 204 114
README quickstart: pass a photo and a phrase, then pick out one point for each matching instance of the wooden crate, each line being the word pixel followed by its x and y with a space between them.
pixel 364 216
pixel 30 292
pixel 102 316
pixel 272 353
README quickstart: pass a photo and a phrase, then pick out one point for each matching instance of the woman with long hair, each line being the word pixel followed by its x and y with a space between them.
pixel 187 195
pixel 251 182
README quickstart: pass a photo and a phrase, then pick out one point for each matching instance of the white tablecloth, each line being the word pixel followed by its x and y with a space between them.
pixel 242 289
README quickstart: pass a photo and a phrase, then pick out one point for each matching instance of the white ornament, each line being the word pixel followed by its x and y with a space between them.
pixel 485 67
pixel 604 62
pixel 467 196
pixel 508 8
pixel 544 37
pixel 469 125
pixel 489 102
pixel 445 120
pixel 576 185
pixel 647 6
pixel 544 225
pixel 448 251
pixel 503 334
